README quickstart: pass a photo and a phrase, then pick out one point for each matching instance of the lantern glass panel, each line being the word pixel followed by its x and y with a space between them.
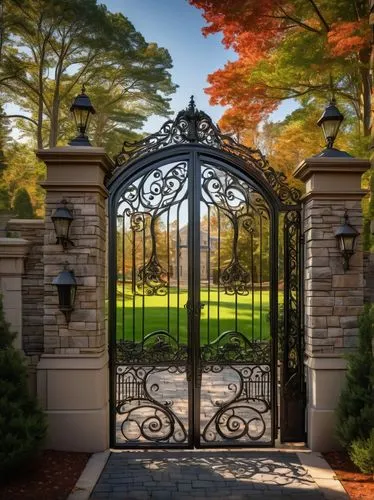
pixel 330 128
pixel 349 241
pixel 64 297
pixel 62 227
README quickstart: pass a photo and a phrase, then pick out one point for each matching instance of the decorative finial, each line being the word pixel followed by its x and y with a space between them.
pixel 192 106
pixel 83 89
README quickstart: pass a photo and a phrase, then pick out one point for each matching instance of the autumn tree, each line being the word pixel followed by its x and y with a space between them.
pixel 299 49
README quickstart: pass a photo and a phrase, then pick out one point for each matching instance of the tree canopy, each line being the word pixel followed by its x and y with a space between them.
pixel 299 49
pixel 49 48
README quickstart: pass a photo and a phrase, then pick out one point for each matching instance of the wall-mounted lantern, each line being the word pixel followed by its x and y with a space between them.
pixel 82 110
pixel 66 288
pixel 346 236
pixel 330 122
pixel 62 219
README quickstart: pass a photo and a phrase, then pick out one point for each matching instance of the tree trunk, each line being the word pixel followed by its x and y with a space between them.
pixel 364 57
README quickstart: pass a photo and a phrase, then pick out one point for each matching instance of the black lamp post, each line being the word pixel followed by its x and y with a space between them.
pixel 346 236
pixel 330 122
pixel 82 110
pixel 66 288
pixel 62 219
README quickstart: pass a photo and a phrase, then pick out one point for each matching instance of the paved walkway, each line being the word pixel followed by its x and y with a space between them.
pixel 206 474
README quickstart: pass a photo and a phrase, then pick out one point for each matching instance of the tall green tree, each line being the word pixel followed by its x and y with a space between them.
pixel 50 47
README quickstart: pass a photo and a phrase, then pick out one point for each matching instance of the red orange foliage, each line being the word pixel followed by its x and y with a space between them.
pixel 323 35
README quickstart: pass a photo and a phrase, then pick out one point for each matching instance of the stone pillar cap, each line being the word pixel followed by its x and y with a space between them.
pixel 325 164
pixel 75 154
pixel 13 247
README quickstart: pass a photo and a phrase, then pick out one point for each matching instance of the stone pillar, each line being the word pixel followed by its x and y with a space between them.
pixel 73 381
pixel 333 298
pixel 12 255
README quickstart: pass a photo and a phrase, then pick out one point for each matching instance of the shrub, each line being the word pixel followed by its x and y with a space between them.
pixel 362 454
pixel 22 423
pixel 22 204
pixel 355 411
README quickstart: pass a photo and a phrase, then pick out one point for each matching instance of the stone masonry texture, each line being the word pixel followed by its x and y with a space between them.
pixel 31 230
pixel 86 330
pixel 333 298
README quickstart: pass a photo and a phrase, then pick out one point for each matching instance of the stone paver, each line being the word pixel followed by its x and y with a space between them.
pixel 237 475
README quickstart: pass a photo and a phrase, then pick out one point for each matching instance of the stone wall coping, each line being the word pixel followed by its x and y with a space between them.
pixel 27 222
pixel 73 361
pixel 314 165
pixel 13 247
pixel 76 154
pixel 74 187
pixel 326 363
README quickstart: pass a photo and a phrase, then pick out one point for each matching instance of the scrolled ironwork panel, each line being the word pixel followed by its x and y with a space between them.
pixel 236 364
pixel 237 406
pixel 151 404
pixel 292 338
pixel 151 353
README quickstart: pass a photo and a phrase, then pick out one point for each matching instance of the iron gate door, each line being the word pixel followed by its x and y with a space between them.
pixel 194 289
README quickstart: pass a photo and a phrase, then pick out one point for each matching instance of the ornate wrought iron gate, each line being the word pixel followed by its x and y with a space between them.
pixel 205 279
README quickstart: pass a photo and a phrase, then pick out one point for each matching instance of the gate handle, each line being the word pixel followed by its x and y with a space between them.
pixel 188 306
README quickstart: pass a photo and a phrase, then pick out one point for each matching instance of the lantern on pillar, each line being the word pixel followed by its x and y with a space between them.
pixel 330 123
pixel 66 287
pixel 346 236
pixel 62 219
pixel 82 110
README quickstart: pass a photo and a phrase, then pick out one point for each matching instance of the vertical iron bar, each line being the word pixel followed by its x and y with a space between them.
pixel 273 275
pixel 253 289
pixel 168 266
pixel 123 278
pixel 194 291
pixel 133 284
pixel 208 271
pixel 178 277
pixel 218 268
pixel 143 294
pixel 261 277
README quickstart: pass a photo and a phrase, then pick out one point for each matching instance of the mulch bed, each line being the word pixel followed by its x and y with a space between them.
pixel 358 486
pixel 52 476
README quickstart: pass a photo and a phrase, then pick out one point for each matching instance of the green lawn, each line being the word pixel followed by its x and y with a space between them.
pixel 131 322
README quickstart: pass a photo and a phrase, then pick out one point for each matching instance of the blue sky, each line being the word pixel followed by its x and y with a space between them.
pixel 176 25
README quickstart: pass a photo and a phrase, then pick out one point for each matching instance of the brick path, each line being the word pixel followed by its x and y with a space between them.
pixel 205 474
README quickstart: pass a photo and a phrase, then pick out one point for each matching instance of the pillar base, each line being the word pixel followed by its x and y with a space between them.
pixel 325 380
pixel 73 391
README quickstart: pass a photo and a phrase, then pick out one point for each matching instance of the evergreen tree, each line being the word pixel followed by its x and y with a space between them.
pixel 355 411
pixel 22 204
pixel 22 423
pixel 4 200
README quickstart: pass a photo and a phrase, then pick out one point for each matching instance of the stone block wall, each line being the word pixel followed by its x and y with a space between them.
pixel 31 230
pixel 333 297
pixel 87 258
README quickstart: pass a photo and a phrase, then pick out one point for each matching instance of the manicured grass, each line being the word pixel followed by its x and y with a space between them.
pixel 252 317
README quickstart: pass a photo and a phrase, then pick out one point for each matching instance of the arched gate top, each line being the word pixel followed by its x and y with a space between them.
pixel 192 126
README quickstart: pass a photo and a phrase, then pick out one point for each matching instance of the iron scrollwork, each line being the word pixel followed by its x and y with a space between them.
pixel 241 205
pixel 234 346
pixel 144 202
pixel 143 415
pixel 194 126
pixel 242 416
pixel 156 347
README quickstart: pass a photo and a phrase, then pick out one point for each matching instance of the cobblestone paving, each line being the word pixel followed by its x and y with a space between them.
pixel 199 474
